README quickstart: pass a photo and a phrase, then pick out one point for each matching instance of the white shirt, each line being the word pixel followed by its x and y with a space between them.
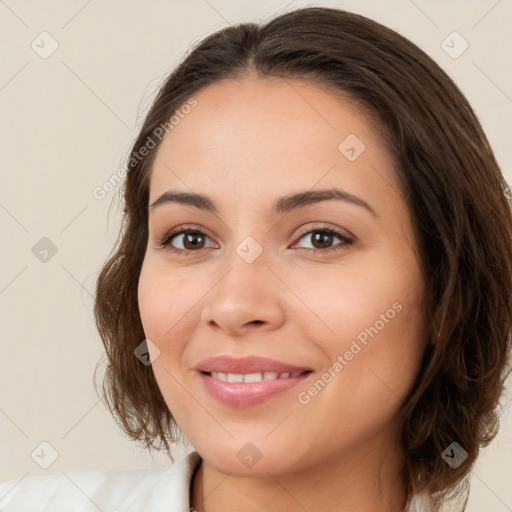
pixel 161 489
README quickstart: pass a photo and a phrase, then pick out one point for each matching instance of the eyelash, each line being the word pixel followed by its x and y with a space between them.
pixel 346 241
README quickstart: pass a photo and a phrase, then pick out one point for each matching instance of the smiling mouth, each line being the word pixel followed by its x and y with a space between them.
pixel 254 377
pixel 243 390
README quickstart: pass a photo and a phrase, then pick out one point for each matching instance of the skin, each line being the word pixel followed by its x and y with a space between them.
pixel 245 144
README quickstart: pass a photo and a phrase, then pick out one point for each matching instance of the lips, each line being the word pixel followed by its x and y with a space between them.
pixel 251 364
pixel 249 381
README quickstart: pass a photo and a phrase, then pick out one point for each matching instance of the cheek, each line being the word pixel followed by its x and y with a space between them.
pixel 353 302
pixel 372 317
pixel 368 385
pixel 152 303
pixel 166 302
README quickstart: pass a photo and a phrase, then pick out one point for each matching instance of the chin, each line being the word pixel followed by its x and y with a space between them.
pixel 256 458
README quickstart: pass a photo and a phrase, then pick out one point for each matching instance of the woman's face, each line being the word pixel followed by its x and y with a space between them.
pixel 258 276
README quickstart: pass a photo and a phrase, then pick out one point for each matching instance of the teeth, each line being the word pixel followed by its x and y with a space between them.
pixel 235 377
pixel 253 377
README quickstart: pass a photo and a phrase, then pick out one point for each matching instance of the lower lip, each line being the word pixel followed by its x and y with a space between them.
pixel 245 394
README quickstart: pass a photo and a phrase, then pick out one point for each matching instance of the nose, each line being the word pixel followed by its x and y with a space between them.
pixel 248 296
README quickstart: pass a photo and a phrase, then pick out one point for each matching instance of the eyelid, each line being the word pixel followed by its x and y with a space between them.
pixel 304 230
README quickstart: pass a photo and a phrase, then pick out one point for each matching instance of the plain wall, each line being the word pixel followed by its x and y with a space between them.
pixel 67 124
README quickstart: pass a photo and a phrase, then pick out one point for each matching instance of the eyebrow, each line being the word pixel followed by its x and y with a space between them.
pixel 283 204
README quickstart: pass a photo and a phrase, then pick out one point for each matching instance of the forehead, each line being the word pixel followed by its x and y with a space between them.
pixel 255 111
pixel 270 134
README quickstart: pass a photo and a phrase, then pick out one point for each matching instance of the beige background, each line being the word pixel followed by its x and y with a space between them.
pixel 67 124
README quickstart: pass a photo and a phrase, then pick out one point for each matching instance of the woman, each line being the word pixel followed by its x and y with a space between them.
pixel 312 282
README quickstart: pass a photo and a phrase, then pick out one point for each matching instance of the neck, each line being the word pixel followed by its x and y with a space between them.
pixel 360 480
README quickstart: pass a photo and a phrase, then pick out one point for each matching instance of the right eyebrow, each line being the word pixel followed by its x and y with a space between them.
pixel 198 200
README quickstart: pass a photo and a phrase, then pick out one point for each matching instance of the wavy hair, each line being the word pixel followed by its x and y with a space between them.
pixel 455 193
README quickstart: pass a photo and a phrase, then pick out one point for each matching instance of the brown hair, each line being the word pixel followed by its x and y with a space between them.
pixel 454 190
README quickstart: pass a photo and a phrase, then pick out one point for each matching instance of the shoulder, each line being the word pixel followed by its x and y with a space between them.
pixel 155 489
pixel 418 503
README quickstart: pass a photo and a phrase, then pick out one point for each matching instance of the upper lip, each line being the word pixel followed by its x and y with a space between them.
pixel 250 364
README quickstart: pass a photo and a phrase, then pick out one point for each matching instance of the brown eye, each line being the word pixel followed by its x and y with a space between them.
pixel 322 238
pixel 189 239
pixel 193 241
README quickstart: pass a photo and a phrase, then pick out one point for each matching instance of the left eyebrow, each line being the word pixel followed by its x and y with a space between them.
pixel 287 203
pixel 283 205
